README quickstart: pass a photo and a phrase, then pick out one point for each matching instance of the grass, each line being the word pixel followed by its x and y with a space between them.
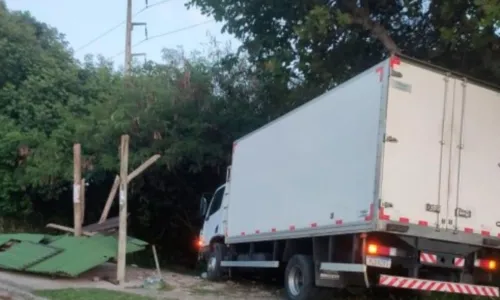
pixel 89 294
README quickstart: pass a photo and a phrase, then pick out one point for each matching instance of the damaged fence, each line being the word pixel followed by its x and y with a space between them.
pixel 60 255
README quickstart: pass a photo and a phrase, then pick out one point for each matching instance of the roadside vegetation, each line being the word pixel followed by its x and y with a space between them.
pixel 191 106
pixel 89 294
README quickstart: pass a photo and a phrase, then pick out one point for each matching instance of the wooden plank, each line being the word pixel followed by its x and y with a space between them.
pixel 114 188
pixel 122 229
pixel 143 167
pixel 111 223
pixel 109 201
pixel 157 262
pixel 67 229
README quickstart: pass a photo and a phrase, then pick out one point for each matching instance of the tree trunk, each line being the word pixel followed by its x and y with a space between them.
pixel 361 16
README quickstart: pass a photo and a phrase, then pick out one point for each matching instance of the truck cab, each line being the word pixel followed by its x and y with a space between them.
pixel 212 211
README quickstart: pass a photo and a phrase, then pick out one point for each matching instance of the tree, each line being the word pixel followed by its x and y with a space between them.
pixel 329 41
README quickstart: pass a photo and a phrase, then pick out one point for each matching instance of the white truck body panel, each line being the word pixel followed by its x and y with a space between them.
pixel 311 168
pixel 477 179
pixel 420 147
pixel 412 172
pixel 447 152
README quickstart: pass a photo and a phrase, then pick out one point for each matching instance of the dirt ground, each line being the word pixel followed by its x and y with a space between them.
pixel 179 286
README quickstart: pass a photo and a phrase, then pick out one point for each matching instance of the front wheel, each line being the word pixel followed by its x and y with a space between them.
pixel 214 269
pixel 300 280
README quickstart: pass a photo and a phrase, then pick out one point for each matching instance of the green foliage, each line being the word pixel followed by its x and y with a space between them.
pixel 327 42
pixel 190 108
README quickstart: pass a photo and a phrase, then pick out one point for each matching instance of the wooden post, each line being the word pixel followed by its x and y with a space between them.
pixel 122 231
pixel 114 188
pixel 77 177
pixel 82 200
pixel 109 201
pixel 157 263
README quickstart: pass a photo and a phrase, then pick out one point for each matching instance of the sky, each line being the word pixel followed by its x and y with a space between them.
pixel 84 20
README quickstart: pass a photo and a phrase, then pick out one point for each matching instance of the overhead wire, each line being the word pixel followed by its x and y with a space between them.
pixel 164 34
pixel 119 25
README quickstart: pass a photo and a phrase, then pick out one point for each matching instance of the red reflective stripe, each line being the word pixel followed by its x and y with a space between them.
pixel 404 220
pixel 468 230
pixel 394 61
pixel 314 225
pixel 423 223
pixel 428 258
pixel 485 233
pixel 338 222
pixel 381 214
pixel 380 71
pixel 386 251
pixel 292 227
pixel 370 213
pixel 273 230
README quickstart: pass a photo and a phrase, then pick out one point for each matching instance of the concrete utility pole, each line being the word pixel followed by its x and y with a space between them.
pixel 128 37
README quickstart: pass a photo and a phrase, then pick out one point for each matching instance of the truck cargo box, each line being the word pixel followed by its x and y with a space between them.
pixel 401 143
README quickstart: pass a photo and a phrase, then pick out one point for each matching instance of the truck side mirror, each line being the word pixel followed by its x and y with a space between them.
pixel 203 206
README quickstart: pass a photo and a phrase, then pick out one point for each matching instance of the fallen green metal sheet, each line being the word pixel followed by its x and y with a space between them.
pixel 51 238
pixel 21 255
pixel 81 254
pixel 28 237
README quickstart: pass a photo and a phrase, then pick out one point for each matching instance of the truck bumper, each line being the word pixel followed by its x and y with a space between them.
pixel 437 286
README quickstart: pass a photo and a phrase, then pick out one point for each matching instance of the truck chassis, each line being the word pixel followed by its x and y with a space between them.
pixel 312 266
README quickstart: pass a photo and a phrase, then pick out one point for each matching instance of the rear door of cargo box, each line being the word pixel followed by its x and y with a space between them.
pixel 416 159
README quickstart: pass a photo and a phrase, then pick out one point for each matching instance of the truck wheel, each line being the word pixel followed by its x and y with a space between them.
pixel 214 270
pixel 300 281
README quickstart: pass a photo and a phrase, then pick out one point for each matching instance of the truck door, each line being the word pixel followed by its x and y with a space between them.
pixel 417 146
pixel 213 225
pixel 476 195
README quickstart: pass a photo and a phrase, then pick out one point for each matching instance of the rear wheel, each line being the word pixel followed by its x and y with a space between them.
pixel 300 280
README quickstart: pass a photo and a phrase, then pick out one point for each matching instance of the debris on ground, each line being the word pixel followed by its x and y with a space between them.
pixel 154 283
pixel 60 255
pixel 178 286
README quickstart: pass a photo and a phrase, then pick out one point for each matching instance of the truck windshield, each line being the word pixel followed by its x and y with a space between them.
pixel 216 201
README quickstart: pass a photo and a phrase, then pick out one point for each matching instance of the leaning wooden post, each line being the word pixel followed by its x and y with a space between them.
pixel 77 177
pixel 122 231
pixel 109 201
pixel 114 188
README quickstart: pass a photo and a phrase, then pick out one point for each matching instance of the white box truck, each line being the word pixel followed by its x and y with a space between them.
pixel 391 179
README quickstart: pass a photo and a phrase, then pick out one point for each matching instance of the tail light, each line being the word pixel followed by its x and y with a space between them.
pixel 486 264
pixel 376 249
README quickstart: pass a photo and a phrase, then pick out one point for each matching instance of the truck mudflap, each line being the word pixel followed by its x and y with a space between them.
pixel 437 286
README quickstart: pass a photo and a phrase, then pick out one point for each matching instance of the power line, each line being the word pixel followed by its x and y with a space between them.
pixel 100 36
pixel 164 34
pixel 119 25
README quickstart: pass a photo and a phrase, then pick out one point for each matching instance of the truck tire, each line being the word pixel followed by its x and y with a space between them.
pixel 300 280
pixel 214 270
